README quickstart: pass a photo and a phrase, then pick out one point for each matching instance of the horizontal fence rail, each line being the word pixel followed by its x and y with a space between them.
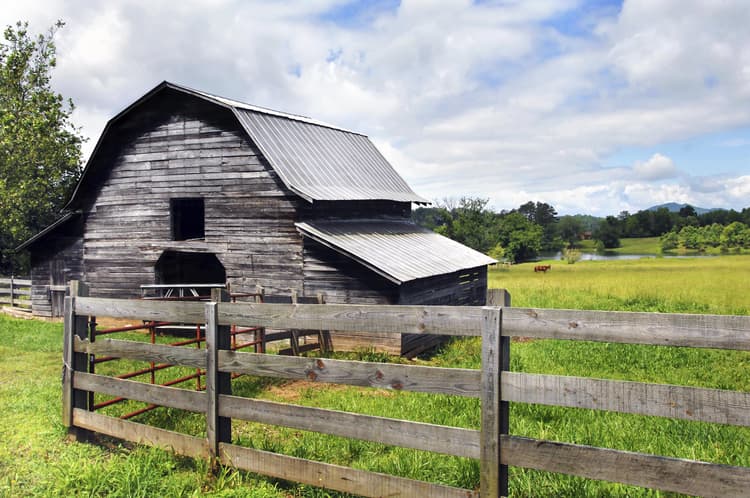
pixel 15 292
pixel 661 329
pixel 494 385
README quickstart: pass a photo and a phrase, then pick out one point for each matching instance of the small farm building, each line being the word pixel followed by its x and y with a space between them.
pixel 188 187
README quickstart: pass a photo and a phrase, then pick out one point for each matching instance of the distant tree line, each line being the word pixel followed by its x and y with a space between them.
pixel 733 236
pixel 520 234
pixel 661 221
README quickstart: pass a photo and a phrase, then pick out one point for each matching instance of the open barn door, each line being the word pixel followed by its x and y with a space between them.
pixel 176 267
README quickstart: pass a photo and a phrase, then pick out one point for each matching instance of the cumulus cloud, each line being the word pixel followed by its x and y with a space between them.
pixel 506 100
pixel 657 167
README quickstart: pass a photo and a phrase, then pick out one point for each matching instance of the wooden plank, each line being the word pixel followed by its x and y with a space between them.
pixel 67 373
pixel 182 444
pixel 17 282
pixel 218 427
pixel 144 351
pixel 172 397
pixel 335 477
pixel 444 320
pixel 80 329
pixel 456 381
pixel 493 477
pixel 636 469
pixel 665 329
pixel 416 435
pixel 161 311
pixel 661 400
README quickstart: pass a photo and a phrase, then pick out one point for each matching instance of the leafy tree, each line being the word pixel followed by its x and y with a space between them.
pixel 570 228
pixel 662 221
pixel 735 235
pixel 687 210
pixel 669 241
pixel 431 217
pixel 40 148
pixel 545 216
pixel 520 238
pixel 608 233
pixel 471 223
pixel 497 252
pixel 692 238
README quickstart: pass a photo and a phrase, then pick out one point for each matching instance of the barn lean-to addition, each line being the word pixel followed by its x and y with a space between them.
pixel 188 187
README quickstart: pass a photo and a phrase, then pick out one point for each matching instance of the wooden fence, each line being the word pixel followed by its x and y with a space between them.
pixel 493 384
pixel 15 292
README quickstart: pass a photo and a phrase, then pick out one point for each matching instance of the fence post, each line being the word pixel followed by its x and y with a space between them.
pixel 74 326
pixel 218 429
pixel 495 359
pixel 11 290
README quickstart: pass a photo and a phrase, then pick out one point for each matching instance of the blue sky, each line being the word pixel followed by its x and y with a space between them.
pixel 594 107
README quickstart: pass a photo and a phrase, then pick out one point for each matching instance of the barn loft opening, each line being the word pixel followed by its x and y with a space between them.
pixel 188 218
pixel 176 267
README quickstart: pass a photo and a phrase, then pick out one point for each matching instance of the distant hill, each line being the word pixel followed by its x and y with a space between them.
pixel 675 207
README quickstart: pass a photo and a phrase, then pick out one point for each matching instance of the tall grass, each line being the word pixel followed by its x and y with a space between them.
pixel 716 285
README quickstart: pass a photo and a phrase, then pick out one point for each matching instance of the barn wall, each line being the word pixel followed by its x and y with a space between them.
pixel 346 282
pixel 464 288
pixel 55 261
pixel 177 147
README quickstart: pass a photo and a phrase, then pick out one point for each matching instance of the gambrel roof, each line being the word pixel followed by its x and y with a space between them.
pixel 317 161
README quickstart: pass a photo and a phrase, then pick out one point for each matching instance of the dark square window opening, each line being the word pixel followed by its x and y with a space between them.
pixel 188 218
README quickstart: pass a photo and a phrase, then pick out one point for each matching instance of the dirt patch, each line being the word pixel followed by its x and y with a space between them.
pixel 293 390
pixel 105 322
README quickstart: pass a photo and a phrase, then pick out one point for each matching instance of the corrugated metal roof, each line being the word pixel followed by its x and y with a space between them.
pixel 319 162
pixel 398 250
pixel 316 160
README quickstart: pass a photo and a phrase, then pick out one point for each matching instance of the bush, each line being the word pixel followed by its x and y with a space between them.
pixel 669 241
pixel 571 255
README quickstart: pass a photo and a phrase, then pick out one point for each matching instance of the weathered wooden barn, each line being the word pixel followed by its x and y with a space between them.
pixel 188 187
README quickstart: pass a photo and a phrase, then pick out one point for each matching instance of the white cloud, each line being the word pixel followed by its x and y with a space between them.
pixel 658 167
pixel 497 99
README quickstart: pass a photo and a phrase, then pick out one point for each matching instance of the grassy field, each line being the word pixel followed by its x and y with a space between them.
pixel 643 245
pixel 715 285
pixel 37 460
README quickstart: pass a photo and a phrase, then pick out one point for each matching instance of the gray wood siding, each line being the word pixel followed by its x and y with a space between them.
pixel 343 280
pixel 190 149
pixel 346 282
pixel 465 288
pixel 55 261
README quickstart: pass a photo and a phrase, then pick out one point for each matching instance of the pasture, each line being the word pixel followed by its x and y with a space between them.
pixel 36 460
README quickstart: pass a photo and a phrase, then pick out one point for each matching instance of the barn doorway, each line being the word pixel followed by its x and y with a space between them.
pixel 176 267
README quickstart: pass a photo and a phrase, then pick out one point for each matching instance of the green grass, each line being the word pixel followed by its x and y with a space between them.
pixel 670 285
pixel 37 460
pixel 643 245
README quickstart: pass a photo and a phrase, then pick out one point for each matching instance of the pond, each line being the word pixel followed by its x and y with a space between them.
pixel 613 256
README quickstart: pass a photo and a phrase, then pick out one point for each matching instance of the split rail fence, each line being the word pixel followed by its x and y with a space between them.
pixel 494 384
pixel 15 292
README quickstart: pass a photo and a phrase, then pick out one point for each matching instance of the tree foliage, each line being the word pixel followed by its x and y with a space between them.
pixel 520 238
pixel 608 233
pixel 40 148
pixel 504 236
